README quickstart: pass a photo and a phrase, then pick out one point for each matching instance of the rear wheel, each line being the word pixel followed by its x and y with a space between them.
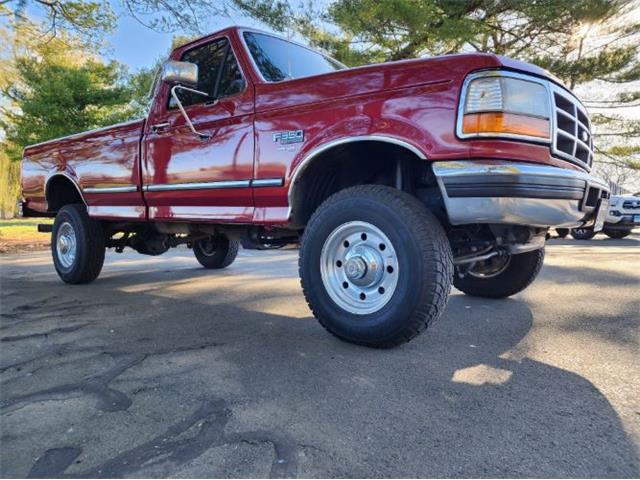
pixel 375 266
pixel 77 245
pixel 216 252
pixel 617 233
pixel 502 276
pixel 583 233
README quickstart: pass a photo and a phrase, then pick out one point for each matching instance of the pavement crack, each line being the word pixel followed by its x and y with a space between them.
pixel 69 329
pixel 109 399
pixel 210 419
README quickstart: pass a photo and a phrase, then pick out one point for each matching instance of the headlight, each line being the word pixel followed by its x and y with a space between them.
pixel 505 106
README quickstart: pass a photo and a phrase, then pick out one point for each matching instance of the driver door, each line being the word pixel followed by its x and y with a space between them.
pixel 186 177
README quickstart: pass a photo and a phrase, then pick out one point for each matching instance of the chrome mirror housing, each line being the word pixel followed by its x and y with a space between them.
pixel 180 72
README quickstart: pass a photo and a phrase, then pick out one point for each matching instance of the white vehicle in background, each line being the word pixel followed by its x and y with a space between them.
pixel 623 215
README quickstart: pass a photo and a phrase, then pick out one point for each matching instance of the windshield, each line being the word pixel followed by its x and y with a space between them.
pixel 278 59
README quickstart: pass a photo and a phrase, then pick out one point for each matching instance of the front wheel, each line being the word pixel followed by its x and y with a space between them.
pixel 77 245
pixel 583 233
pixel 617 233
pixel 375 266
pixel 216 252
pixel 501 276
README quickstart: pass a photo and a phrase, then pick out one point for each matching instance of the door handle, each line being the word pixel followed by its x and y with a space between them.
pixel 159 127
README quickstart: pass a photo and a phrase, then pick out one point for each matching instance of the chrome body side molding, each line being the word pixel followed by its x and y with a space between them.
pixel 259 182
pixel 267 182
pixel 162 187
pixel 126 189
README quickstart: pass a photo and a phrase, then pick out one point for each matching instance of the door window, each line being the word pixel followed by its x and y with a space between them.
pixel 218 73
pixel 231 81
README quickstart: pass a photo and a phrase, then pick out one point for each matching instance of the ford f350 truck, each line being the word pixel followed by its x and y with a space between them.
pixel 397 179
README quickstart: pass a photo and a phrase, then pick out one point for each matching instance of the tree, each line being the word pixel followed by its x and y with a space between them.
pixel 58 94
pixel 88 19
pixel 55 88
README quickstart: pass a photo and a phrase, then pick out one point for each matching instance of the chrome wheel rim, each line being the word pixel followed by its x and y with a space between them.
pixel 359 267
pixel 490 268
pixel 66 245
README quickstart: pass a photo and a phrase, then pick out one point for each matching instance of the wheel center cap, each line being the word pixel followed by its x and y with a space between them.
pixel 355 268
pixel 63 244
pixel 363 266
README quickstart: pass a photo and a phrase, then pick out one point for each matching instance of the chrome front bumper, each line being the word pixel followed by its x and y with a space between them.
pixel 519 193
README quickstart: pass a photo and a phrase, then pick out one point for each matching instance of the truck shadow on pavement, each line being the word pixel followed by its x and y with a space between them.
pixel 106 380
pixel 620 327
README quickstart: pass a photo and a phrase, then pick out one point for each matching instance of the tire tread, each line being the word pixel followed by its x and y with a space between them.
pixel 521 273
pixel 434 247
pixel 92 235
pixel 221 259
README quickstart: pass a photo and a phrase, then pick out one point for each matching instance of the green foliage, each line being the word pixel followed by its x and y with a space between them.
pixel 89 19
pixel 52 100
pixel 54 88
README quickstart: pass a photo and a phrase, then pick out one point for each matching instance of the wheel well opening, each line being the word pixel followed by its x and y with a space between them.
pixel 356 163
pixel 60 192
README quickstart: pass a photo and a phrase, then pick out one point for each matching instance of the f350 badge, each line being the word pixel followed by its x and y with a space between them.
pixel 288 138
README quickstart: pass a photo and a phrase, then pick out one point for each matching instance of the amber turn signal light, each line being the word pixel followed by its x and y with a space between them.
pixel 500 123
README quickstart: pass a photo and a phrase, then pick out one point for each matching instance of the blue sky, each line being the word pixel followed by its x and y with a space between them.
pixel 138 46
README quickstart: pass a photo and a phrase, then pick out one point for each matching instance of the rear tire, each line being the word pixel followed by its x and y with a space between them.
pixel 77 245
pixel 583 233
pixel 216 252
pixel 375 266
pixel 520 271
pixel 617 233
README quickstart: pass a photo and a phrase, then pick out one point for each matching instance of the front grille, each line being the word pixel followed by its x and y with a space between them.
pixel 572 138
pixel 631 205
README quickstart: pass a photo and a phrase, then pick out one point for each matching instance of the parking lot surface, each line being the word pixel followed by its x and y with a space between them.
pixel 161 368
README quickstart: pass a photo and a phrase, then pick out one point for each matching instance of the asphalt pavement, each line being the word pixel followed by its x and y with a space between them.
pixel 163 369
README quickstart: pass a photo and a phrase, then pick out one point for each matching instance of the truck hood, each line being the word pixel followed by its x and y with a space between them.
pixel 448 70
pixel 512 64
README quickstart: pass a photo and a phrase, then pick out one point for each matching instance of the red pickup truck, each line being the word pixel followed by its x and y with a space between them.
pixel 396 179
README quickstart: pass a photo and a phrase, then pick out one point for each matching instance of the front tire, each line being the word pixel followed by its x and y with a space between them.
pixel 617 233
pixel 375 266
pixel 583 233
pixel 216 252
pixel 77 245
pixel 505 277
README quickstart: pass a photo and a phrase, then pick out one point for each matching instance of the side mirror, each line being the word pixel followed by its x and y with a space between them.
pixel 180 72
